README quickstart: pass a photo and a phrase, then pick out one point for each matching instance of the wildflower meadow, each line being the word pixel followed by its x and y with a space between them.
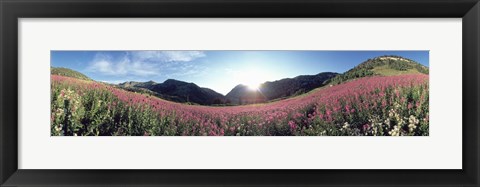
pixel 370 106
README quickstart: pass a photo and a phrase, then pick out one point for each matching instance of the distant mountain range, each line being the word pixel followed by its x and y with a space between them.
pixel 177 91
pixel 184 92
pixel 268 91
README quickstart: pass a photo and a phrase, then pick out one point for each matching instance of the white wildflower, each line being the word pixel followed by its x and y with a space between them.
pixel 395 131
pixel 412 123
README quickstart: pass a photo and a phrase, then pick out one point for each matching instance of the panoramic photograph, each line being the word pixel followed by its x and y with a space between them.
pixel 239 93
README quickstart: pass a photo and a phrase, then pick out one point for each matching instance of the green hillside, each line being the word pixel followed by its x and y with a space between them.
pixel 383 65
pixel 68 73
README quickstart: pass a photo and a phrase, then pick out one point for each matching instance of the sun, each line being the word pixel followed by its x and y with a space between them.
pixel 253 86
pixel 252 78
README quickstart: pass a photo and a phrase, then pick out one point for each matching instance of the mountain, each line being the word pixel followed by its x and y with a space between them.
pixel 68 73
pixel 177 91
pixel 268 91
pixel 242 94
pixel 382 65
pixel 138 84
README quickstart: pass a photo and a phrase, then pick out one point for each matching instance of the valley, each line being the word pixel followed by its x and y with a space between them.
pixel 383 96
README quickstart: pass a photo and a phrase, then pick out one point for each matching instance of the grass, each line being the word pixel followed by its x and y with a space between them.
pixel 68 73
pixel 387 71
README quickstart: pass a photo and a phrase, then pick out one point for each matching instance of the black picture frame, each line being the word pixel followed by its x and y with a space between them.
pixel 11 10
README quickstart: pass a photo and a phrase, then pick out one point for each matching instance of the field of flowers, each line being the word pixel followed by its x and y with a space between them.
pixel 371 106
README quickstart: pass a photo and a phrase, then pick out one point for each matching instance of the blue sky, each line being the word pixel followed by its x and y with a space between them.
pixel 218 70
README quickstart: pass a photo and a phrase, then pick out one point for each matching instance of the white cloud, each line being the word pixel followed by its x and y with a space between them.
pixel 112 81
pixel 107 65
pixel 141 63
pixel 166 56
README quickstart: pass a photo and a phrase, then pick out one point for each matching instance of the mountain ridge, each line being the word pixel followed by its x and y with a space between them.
pixel 178 91
pixel 385 65
pixel 272 90
pixel 68 73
